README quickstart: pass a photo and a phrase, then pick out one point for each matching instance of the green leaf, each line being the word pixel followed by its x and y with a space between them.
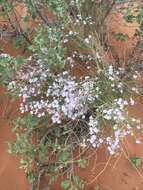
pixel 52 179
pixel 136 161
pixel 121 37
pixel 78 182
pixel 30 176
pixel 97 187
pixel 129 18
pixel 82 163
pixel 64 156
pixel 65 184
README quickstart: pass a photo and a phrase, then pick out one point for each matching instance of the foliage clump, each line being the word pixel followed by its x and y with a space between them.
pixel 62 114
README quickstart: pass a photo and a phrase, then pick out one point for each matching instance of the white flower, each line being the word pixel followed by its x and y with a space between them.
pixel 132 102
pixel 84 22
pixel 110 150
pixel 83 144
pixel 4 55
pixel 87 40
pixel 92 139
pixel 110 70
pixel 135 76
pixel 71 32
pixel 138 142
pixel 65 40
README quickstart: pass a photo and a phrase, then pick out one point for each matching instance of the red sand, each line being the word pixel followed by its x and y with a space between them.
pixel 110 173
pixel 11 177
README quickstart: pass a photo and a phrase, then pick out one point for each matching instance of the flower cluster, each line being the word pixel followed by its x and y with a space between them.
pixel 67 98
pixel 117 130
pixel 61 98
pixel 99 101
pixel 110 112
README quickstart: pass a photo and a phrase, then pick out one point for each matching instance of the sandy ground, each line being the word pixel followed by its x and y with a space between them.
pixel 11 177
pixel 107 172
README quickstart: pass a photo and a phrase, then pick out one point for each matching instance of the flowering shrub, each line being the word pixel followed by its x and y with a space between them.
pixel 61 113
pixel 99 101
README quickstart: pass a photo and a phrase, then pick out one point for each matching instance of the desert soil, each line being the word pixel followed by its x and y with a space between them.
pixel 109 173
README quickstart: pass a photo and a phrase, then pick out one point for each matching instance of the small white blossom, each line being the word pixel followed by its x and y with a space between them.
pixel 87 40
